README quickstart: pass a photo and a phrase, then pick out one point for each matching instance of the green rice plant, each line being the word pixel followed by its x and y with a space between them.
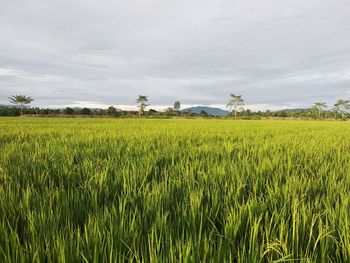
pixel 141 190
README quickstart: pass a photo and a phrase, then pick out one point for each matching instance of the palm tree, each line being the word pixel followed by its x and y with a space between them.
pixel 342 106
pixel 235 102
pixel 177 105
pixel 141 101
pixel 319 106
pixel 21 100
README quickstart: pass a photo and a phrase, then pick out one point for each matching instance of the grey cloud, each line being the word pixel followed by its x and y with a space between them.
pixel 275 52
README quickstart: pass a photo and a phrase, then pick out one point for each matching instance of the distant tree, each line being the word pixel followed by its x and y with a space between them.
pixel 341 106
pixel 282 114
pixel 85 111
pixel 203 113
pixel 141 101
pixel 21 100
pixel 100 112
pixel 177 105
pixel 4 111
pixel 235 102
pixel 152 111
pixel 247 112
pixel 318 106
pixel 68 111
pixel 36 110
pixel 111 111
pixel 268 113
pixel 170 111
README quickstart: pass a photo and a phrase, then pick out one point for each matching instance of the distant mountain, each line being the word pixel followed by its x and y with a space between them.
pixel 209 110
pixel 294 110
pixel 2 106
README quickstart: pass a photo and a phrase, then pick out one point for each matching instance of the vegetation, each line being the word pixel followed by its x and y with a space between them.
pixel 235 102
pixel 319 106
pixel 21 100
pixel 141 101
pixel 97 190
pixel 111 111
pixel 308 114
pixel 341 106
pixel 69 111
pixel 177 105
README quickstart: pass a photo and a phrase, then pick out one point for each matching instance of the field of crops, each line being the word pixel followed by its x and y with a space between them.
pixel 106 190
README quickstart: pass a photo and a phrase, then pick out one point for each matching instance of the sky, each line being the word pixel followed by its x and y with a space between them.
pixel 275 53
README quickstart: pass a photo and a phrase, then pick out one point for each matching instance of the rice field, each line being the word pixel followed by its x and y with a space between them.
pixel 137 190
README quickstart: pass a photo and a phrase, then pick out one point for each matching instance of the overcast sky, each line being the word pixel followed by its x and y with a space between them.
pixel 276 53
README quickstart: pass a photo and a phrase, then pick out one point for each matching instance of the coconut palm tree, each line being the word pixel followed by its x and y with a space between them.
pixel 342 106
pixel 235 102
pixel 319 106
pixel 177 105
pixel 141 101
pixel 21 100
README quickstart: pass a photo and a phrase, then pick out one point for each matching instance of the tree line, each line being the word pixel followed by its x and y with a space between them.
pixel 235 105
pixel 318 110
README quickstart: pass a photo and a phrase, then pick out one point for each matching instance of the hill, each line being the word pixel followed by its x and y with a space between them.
pixel 3 106
pixel 209 110
pixel 294 110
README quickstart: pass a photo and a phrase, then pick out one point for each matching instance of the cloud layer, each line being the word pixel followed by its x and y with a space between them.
pixel 276 53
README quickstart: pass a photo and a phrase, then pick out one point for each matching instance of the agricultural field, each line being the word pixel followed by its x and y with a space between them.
pixel 119 190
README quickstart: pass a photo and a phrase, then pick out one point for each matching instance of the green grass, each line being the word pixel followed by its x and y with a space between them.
pixel 106 190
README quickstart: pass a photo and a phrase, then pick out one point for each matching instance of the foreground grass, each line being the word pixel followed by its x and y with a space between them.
pixel 174 190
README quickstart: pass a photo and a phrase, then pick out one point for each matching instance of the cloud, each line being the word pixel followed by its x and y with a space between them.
pixel 107 52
